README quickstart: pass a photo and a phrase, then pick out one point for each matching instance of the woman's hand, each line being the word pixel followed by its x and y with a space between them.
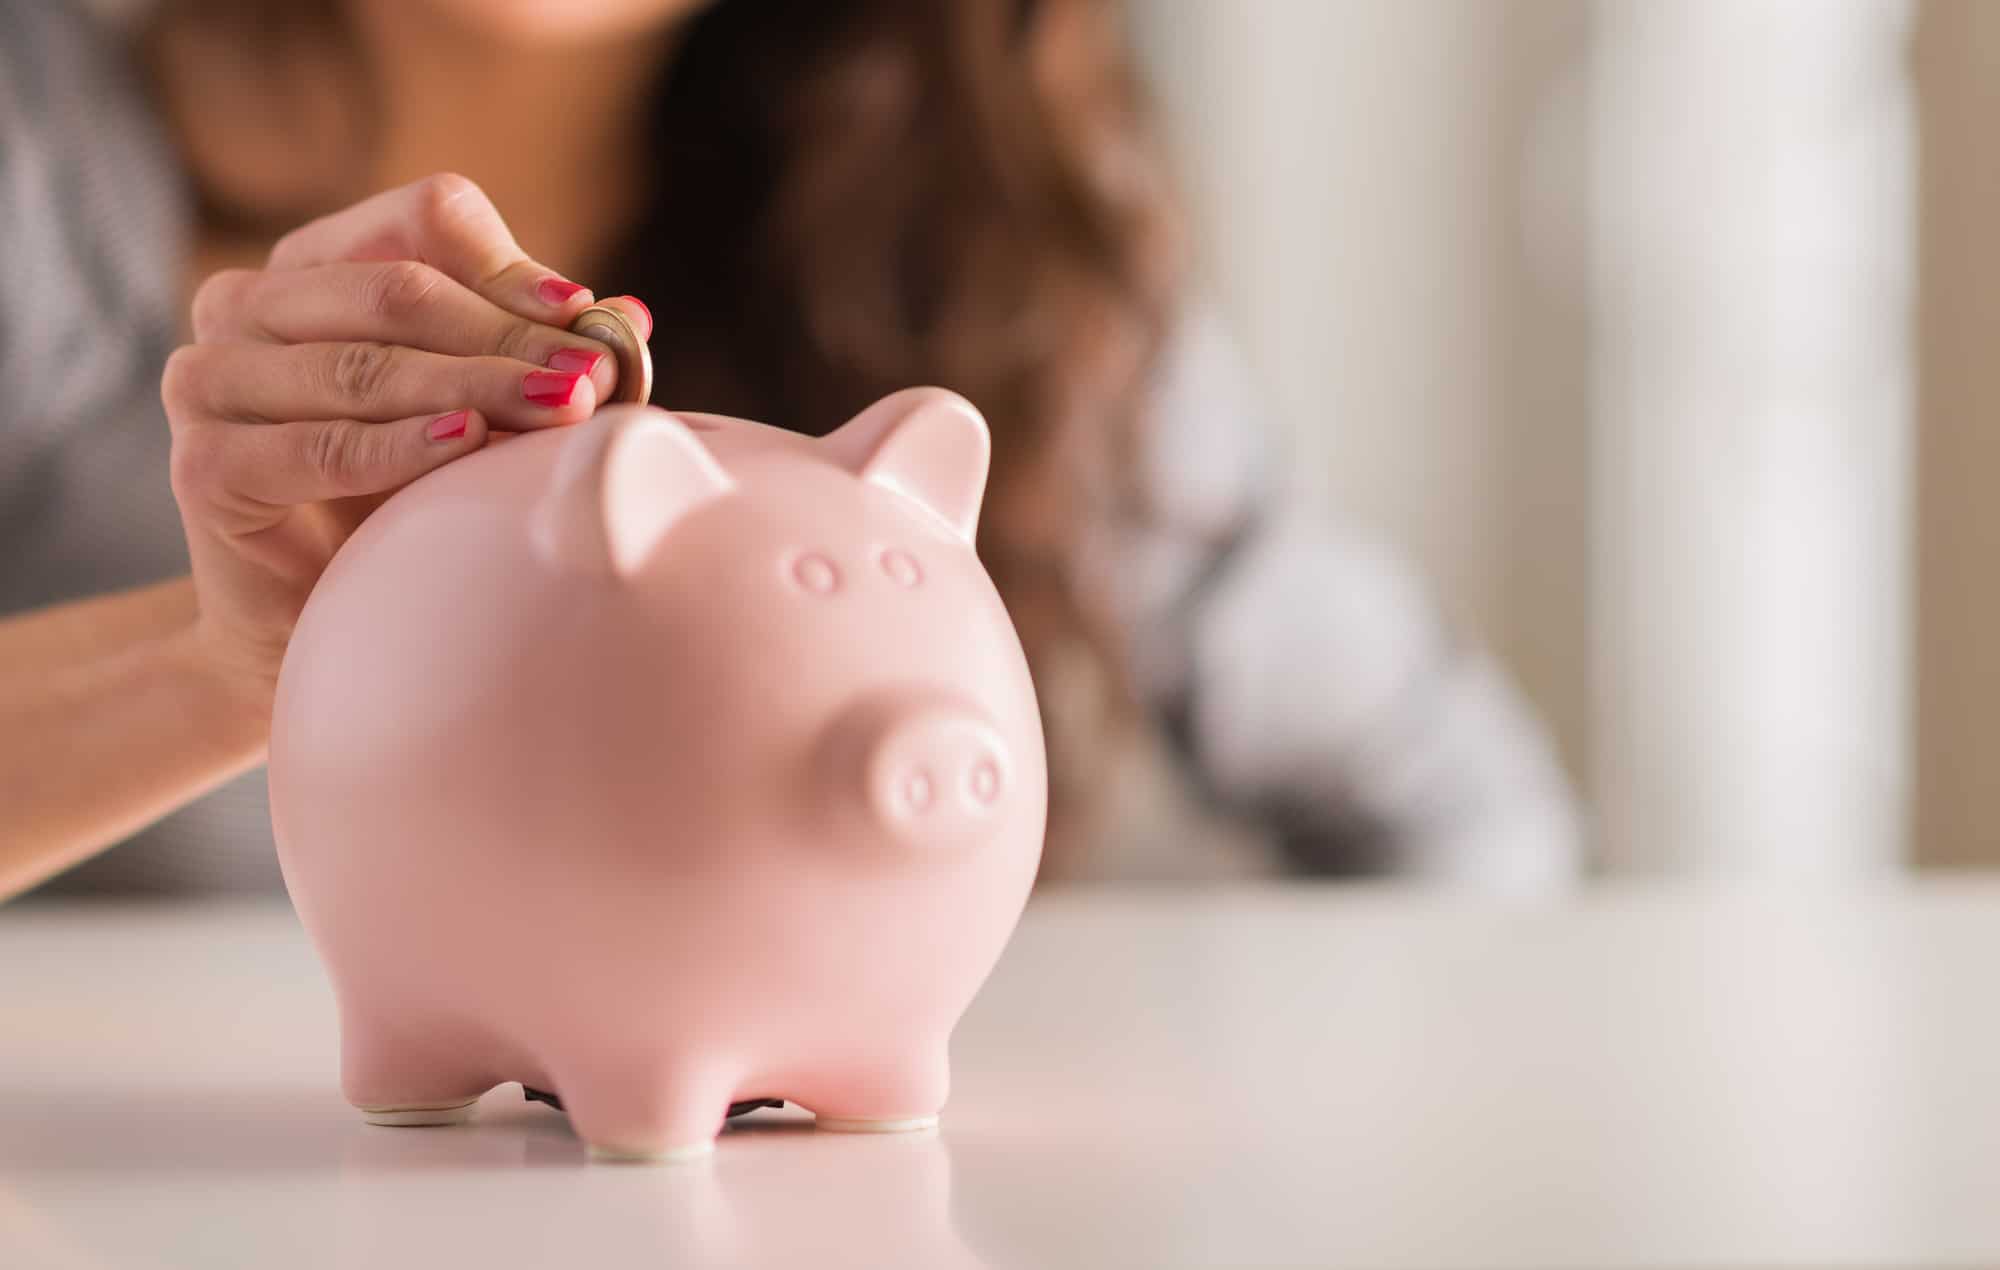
pixel 378 343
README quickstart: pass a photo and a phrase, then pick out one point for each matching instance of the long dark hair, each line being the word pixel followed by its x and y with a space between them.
pixel 859 195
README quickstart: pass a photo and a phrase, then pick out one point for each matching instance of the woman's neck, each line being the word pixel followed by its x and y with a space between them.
pixel 553 133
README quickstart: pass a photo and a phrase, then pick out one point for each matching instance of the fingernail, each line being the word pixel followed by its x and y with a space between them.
pixel 644 312
pixel 576 361
pixel 558 290
pixel 445 427
pixel 550 388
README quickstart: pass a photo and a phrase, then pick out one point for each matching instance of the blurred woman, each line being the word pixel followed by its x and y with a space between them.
pixel 820 201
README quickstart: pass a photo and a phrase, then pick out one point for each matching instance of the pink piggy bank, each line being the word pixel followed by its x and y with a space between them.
pixel 665 762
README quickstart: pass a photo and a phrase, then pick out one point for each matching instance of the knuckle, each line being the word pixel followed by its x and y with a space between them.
pixel 194 465
pixel 293 245
pixel 519 341
pixel 447 201
pixel 180 382
pixel 352 457
pixel 219 295
pixel 400 289
pixel 360 372
pixel 283 250
pixel 333 452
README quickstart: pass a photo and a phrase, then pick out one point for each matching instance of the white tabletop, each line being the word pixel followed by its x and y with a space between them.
pixel 1245 1078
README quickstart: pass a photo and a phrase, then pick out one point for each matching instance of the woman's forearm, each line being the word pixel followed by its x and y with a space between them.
pixel 111 715
pixel 35 643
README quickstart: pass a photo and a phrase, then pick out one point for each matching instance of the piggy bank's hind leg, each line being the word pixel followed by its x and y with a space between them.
pixel 400 1068
pixel 896 1093
pixel 646 1110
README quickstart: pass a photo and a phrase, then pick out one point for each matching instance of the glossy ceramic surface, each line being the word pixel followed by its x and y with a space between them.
pixel 660 763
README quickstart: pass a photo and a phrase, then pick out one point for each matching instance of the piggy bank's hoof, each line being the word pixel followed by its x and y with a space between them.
pixel 666 1155
pixel 845 1124
pixel 410 1117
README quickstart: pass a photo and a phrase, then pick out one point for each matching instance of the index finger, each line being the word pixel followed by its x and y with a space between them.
pixel 447 222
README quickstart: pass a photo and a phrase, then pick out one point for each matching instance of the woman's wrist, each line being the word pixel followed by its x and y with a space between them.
pixel 230 699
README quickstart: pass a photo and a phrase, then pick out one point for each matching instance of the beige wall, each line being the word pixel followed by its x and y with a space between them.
pixel 1365 174
pixel 1957 63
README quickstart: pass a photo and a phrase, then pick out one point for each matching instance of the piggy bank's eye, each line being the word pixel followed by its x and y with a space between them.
pixel 902 568
pixel 816 574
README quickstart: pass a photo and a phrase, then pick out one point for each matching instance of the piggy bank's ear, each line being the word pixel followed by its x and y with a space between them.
pixel 926 444
pixel 623 480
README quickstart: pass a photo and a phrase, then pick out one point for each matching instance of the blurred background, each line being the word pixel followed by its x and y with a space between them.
pixel 1655 336
pixel 1658 336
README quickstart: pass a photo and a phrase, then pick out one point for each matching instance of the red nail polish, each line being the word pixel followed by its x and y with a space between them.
pixel 643 312
pixel 446 427
pixel 576 361
pixel 550 388
pixel 558 290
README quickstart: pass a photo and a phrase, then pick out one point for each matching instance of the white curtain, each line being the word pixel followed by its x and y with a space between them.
pixel 1750 597
pixel 1424 217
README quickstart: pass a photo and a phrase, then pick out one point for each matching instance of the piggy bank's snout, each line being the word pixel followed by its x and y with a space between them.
pixel 932 774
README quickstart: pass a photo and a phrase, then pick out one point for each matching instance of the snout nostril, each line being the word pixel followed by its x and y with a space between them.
pixel 918 792
pixel 929 775
pixel 985 780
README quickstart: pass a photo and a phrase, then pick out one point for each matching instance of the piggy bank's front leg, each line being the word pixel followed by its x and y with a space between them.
pixel 895 1093
pixel 645 1109
pixel 401 1068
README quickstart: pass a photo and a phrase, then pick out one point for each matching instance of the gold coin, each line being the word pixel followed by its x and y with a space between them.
pixel 607 325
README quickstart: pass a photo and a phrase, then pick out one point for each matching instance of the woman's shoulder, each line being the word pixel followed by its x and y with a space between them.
pixel 79 141
pixel 60 55
pixel 93 211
